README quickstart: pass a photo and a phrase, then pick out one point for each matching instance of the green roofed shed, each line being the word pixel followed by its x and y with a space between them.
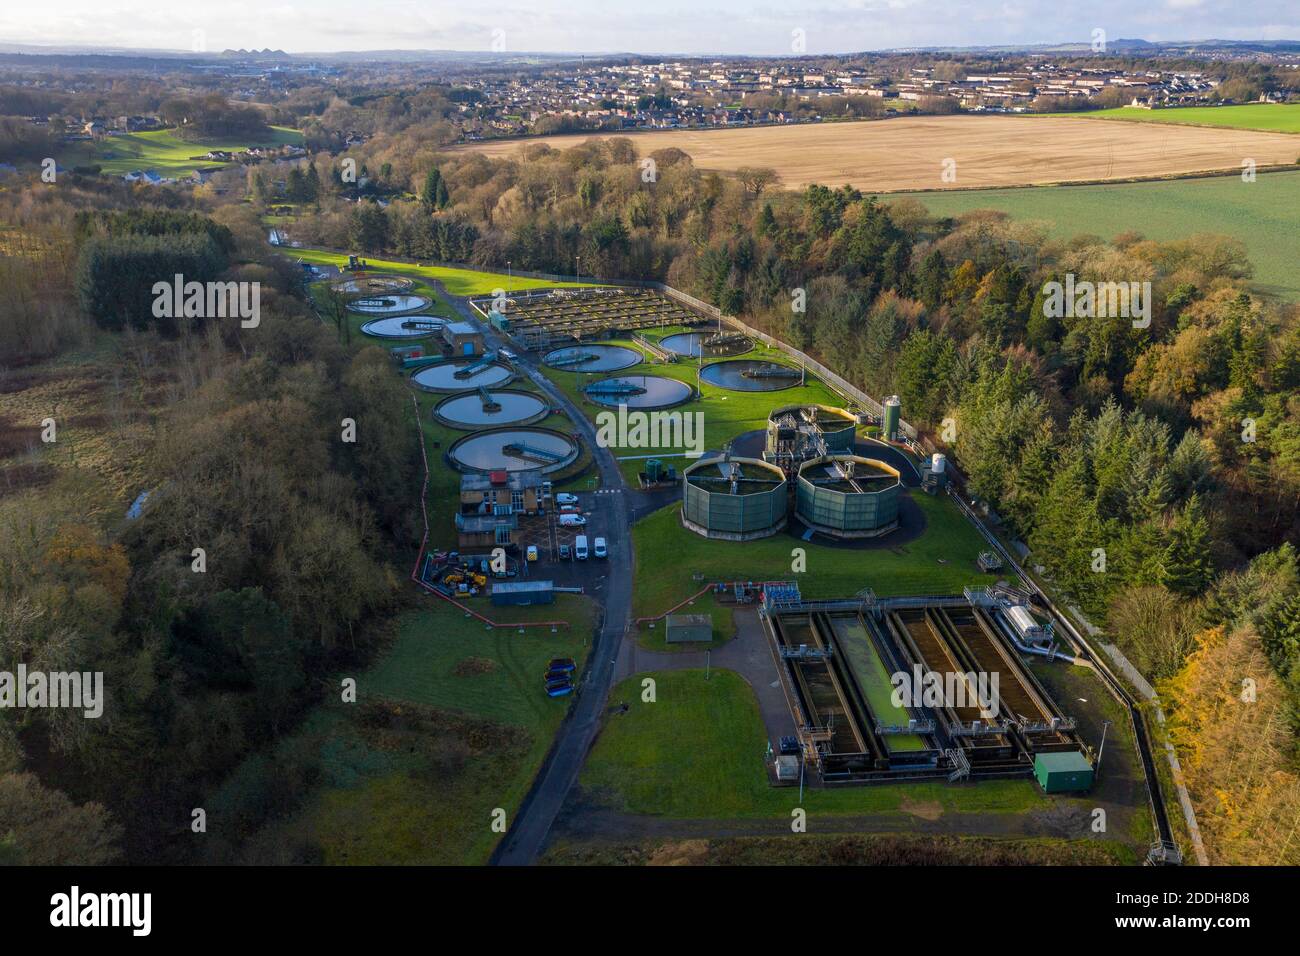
pixel 688 628
pixel 1063 772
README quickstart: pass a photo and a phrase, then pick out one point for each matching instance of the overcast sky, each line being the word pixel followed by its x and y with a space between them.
pixel 642 26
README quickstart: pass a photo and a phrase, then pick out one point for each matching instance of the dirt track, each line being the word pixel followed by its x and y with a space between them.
pixel 909 153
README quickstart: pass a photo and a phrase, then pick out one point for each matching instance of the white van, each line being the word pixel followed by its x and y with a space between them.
pixel 599 548
pixel 580 547
pixel 572 521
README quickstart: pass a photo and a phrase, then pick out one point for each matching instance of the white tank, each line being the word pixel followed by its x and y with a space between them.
pixel 938 463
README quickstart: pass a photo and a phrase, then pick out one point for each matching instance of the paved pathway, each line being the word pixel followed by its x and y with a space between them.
pixel 527 834
pixel 748 654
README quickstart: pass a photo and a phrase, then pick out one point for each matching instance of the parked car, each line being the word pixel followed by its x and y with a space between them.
pixel 569 509
pixel 599 548
pixel 572 521
pixel 532 552
pixel 580 547
pixel 565 552
pixel 564 498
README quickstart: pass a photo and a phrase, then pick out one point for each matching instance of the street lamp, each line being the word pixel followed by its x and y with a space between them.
pixel 1105 725
pixel 577 268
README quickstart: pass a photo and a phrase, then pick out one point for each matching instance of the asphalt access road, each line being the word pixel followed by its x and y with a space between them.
pixel 524 840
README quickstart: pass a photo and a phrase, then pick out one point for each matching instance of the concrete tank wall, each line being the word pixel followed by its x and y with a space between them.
pixel 844 513
pixel 737 517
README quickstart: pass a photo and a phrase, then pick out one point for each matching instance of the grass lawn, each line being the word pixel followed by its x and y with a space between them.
pixel 1260 214
pixel 164 152
pixel 724 627
pixel 387 790
pixel 1275 117
pixel 419 666
pixel 726 413
pixel 697 753
pixel 940 561
pixel 463 282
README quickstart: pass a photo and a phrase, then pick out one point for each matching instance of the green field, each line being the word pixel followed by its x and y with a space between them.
pixel 698 750
pixel 457 281
pixel 940 561
pixel 1261 214
pixel 450 723
pixel 1274 117
pixel 163 152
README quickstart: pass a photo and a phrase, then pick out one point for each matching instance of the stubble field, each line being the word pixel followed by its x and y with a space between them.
pixel 910 153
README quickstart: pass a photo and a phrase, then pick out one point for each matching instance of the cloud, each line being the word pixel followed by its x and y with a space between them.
pixel 649 26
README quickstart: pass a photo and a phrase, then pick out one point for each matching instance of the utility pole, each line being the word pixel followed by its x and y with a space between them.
pixel 1105 725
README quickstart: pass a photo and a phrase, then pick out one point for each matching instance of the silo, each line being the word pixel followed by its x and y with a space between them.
pixel 939 469
pixel 734 499
pixel 893 415
pixel 848 496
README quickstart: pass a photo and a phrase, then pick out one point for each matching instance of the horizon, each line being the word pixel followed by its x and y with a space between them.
pixel 729 28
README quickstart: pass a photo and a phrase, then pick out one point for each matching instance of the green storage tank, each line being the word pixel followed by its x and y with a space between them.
pixel 893 414
pixel 1063 772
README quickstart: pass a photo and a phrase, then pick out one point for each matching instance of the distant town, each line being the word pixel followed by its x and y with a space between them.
pixel 487 100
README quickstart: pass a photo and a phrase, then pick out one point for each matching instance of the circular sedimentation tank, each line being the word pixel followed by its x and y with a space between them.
pixel 794 431
pixel 708 344
pixel 750 375
pixel 373 285
pixel 390 304
pixel 592 358
pixel 514 449
pixel 639 391
pixel 469 410
pixel 461 376
pixel 734 499
pixel 847 496
pixel 395 327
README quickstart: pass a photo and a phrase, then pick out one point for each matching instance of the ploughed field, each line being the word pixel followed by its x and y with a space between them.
pixel 909 152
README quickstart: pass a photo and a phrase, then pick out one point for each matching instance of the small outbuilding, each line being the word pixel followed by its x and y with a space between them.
pixel 463 338
pixel 1063 772
pixel 688 628
pixel 522 593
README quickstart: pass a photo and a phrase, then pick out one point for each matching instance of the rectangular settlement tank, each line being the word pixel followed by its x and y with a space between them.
pixel 1063 772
